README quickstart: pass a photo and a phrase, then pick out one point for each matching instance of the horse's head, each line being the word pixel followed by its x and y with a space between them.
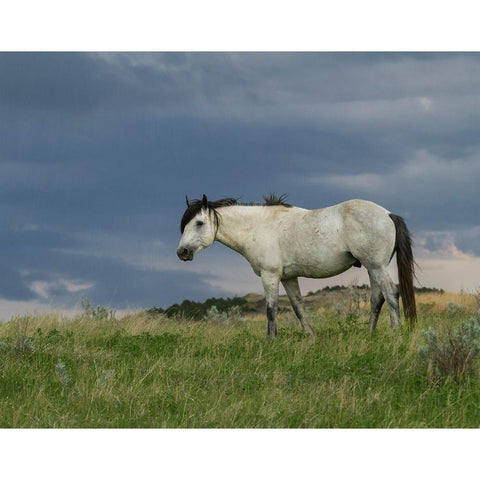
pixel 199 225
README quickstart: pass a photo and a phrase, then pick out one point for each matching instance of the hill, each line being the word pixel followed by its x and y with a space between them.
pixel 352 297
pixel 151 371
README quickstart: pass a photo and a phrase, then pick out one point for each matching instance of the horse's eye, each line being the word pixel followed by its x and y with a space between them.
pixel 199 223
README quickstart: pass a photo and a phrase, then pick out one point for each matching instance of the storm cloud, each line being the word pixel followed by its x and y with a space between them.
pixel 98 151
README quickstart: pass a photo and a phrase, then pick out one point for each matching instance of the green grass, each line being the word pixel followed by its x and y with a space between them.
pixel 157 372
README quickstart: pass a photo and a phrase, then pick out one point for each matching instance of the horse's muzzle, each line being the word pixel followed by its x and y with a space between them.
pixel 185 254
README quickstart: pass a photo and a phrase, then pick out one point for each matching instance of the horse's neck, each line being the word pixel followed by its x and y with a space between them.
pixel 236 225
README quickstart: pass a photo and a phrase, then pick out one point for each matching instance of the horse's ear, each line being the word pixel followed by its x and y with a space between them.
pixel 188 201
pixel 205 201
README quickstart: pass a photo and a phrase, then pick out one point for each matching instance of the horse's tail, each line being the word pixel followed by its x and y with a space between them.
pixel 406 265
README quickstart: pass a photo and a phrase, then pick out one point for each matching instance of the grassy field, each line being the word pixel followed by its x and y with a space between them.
pixel 151 371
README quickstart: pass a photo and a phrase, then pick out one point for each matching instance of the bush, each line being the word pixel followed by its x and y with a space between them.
pixel 214 315
pixel 155 311
pixel 24 347
pixel 453 354
pixel 21 344
pixel 98 312
pixel 353 307
pixel 63 377
pixel 454 308
pixel 199 310
pixel 4 347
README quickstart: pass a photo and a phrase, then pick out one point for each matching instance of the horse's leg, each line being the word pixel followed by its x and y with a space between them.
pixel 389 291
pixel 295 297
pixel 376 301
pixel 270 285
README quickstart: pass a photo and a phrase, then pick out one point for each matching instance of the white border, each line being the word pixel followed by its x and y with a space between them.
pixel 239 454
pixel 306 25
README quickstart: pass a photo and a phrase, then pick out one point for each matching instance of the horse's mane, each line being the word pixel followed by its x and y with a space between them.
pixel 195 206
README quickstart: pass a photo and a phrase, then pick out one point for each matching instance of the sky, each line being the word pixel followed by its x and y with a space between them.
pixel 98 151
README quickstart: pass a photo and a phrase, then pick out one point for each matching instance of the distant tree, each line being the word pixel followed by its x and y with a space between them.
pixel 428 290
pixel 198 310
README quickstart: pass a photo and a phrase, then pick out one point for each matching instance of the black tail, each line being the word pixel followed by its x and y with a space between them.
pixel 405 264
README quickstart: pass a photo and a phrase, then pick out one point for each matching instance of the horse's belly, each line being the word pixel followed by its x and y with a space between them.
pixel 319 267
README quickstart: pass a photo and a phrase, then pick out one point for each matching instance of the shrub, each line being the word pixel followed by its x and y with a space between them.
pixel 453 354
pixel 63 377
pixel 4 347
pixel 24 347
pixel 106 377
pixel 199 310
pixel 214 315
pixel 155 311
pixel 98 312
pixel 353 307
pixel 454 308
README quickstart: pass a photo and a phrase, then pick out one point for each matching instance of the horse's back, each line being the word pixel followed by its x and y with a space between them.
pixel 327 241
pixel 339 218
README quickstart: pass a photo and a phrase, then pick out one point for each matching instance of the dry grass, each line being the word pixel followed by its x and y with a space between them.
pixel 143 371
pixel 439 301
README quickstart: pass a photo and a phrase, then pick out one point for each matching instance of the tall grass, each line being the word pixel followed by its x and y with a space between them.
pixel 151 371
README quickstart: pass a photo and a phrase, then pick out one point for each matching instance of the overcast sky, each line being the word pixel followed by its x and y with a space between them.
pixel 98 151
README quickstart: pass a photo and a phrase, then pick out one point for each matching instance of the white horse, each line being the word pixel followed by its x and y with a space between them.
pixel 283 242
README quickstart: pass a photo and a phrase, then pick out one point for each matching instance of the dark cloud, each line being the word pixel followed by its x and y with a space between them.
pixel 468 240
pixel 36 265
pixel 100 147
pixel 12 285
pixel 68 82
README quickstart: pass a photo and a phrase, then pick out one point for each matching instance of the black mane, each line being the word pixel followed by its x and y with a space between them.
pixel 196 205
pixel 272 199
